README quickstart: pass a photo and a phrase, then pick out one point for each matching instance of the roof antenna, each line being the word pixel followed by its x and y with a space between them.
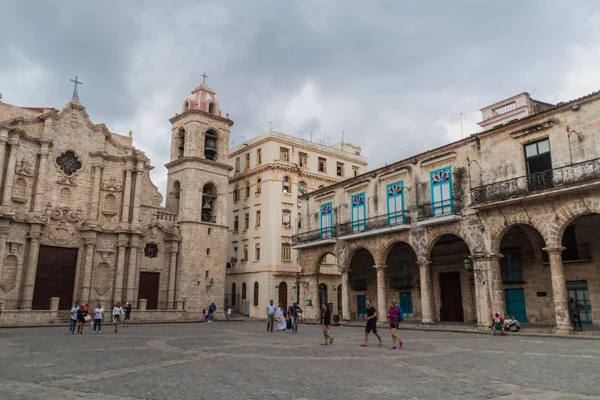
pixel 532 92
pixel 555 97
pixel 301 134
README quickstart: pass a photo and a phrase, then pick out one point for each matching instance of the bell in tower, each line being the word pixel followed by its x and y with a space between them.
pixel 210 146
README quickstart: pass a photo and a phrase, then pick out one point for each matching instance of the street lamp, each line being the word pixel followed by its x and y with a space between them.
pixel 469 266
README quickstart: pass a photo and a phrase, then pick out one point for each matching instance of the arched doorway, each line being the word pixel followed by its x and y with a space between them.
pixel 452 291
pixel 233 297
pixel 339 300
pixel 402 273
pixel 363 282
pixel 283 295
pixel 243 291
pixel 323 294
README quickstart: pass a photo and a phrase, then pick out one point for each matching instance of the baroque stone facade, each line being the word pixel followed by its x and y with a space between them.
pixel 81 220
pixel 505 220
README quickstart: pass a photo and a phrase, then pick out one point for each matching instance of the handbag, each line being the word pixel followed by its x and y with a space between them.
pixel 87 318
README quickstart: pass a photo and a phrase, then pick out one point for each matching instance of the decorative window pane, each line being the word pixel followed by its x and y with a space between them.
pixel 359 212
pixel 395 203
pixel 326 220
pixel 151 250
pixel 543 146
pixel 441 192
pixel 68 163
pixel 513 271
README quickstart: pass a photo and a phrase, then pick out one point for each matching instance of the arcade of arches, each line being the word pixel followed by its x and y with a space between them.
pixel 524 268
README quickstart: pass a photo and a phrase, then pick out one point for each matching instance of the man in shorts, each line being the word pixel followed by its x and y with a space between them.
pixel 371 324
pixel 127 315
pixel 116 315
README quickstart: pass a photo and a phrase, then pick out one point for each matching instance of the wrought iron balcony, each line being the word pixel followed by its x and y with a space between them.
pixel 358 284
pixel 403 282
pixel 313 236
pixel 439 209
pixel 378 222
pixel 534 183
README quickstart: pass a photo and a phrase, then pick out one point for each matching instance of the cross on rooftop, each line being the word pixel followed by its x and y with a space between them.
pixel 204 76
pixel 75 83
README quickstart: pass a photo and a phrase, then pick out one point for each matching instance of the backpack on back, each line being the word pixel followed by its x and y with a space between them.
pixel 400 317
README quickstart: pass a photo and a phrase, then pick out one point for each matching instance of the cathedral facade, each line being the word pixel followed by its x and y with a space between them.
pixel 81 220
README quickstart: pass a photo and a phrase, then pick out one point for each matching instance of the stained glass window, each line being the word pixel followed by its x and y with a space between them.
pixel 68 163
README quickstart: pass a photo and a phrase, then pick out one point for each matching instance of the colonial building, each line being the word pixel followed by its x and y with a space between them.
pixel 269 173
pixel 81 220
pixel 505 220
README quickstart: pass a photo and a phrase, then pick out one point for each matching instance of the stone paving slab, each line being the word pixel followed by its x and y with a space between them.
pixel 242 361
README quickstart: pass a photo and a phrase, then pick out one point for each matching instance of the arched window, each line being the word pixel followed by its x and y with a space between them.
pixel 259 186
pixel 181 147
pixel 209 197
pixel 175 196
pixel 233 299
pixel 186 106
pixel 211 108
pixel 286 185
pixel 302 188
pixel 210 145
pixel 236 193
pixel 243 291
pixel 255 293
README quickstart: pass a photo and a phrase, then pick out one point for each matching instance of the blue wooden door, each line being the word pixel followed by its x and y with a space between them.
pixel 579 291
pixel 406 304
pixel 515 304
pixel 361 305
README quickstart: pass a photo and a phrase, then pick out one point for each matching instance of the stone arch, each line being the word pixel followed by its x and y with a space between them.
pixel 384 253
pixel 211 140
pixel 181 144
pixel 110 202
pixel 9 273
pixel 566 215
pixel 64 197
pixel 209 203
pixel 525 225
pixel 498 230
pixel 432 242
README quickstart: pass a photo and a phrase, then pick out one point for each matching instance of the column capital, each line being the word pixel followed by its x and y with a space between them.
pixel 423 263
pixel 122 243
pixel 90 241
pixel 379 267
pixel 13 141
pixel 98 164
pixel 35 237
pixel 553 250
pixel 3 139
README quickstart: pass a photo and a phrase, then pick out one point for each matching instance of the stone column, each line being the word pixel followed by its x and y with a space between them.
pixel 131 269
pixel 10 174
pixel 31 268
pixel 495 284
pixel 172 276
pixel 118 292
pixel 41 179
pixel 143 303
pixel 86 285
pixel 126 195
pixel 559 289
pixel 135 218
pixel 381 298
pixel 54 302
pixel 346 295
pixel 482 293
pixel 95 201
pixel 3 236
pixel 3 141
pixel 310 290
pixel 426 292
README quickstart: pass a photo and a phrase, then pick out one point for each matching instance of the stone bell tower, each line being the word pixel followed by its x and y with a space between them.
pixel 198 178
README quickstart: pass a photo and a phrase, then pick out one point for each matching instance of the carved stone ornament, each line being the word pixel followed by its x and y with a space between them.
pixel 112 185
pixel 68 163
pixel 62 233
pixel 151 250
pixel 104 254
pixel 24 168
pixel 14 247
pixel 62 225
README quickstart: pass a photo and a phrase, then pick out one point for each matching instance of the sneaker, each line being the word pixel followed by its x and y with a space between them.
pixel 394 348
pixel 401 345
pixel 99 332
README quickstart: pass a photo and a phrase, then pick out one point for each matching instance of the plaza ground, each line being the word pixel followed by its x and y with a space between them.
pixel 240 360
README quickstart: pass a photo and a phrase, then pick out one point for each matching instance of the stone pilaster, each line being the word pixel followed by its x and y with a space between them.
pixel 172 276
pixel 126 195
pixel 3 236
pixel 559 289
pixel 86 285
pixel 381 300
pixel 131 269
pixel 3 142
pixel 118 292
pixel 346 294
pixel 135 218
pixel 495 284
pixel 10 174
pixel 426 292
pixel 482 293
pixel 31 268
pixel 41 179
pixel 95 200
pixel 310 290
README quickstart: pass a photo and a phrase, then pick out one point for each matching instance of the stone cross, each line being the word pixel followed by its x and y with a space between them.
pixel 204 76
pixel 75 83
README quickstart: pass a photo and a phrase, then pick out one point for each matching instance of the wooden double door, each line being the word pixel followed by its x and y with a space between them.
pixel 55 277
pixel 148 289
pixel 451 294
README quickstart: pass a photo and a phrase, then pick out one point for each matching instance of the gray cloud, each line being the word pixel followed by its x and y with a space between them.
pixel 393 76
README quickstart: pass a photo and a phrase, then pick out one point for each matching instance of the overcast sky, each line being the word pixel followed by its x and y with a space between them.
pixel 394 75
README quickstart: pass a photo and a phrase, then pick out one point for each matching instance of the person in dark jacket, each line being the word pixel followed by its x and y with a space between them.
pixel 326 322
pixel 575 313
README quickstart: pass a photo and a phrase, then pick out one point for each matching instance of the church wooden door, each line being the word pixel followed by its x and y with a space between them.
pixel 149 284
pixel 55 277
pixel 452 307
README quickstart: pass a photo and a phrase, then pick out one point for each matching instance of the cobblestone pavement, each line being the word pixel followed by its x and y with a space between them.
pixel 241 361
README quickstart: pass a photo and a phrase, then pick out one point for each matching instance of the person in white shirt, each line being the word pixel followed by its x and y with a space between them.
pixel 270 311
pixel 98 311
pixel 116 314
pixel 228 313
pixel 74 311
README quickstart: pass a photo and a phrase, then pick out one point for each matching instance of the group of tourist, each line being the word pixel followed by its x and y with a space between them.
pixel 209 314
pixel 289 320
pixel 80 315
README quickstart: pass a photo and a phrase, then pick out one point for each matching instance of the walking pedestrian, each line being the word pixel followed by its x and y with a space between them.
pixel 127 315
pixel 326 322
pixel 98 311
pixel 214 311
pixel 371 324
pixel 74 311
pixel 296 311
pixel 280 317
pixel 228 315
pixel 270 316
pixel 81 317
pixel 575 313
pixel 394 318
pixel 117 311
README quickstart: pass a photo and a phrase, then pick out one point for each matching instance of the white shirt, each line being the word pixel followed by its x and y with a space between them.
pixel 74 310
pixel 117 311
pixel 229 311
pixel 98 313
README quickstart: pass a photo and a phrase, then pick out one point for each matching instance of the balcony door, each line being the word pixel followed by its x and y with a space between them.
pixel 359 212
pixel 539 165
pixel 326 220
pixel 441 192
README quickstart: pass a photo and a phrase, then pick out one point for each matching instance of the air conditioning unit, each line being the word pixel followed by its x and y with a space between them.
pixel 246 307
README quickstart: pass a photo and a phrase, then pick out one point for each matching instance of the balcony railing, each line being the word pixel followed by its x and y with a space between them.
pixel 379 222
pixel 401 283
pixel 524 185
pixel 312 236
pixel 439 209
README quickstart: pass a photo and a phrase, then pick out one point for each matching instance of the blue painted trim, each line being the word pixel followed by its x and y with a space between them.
pixel 393 219
pixel 360 224
pixel 436 185
pixel 327 232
